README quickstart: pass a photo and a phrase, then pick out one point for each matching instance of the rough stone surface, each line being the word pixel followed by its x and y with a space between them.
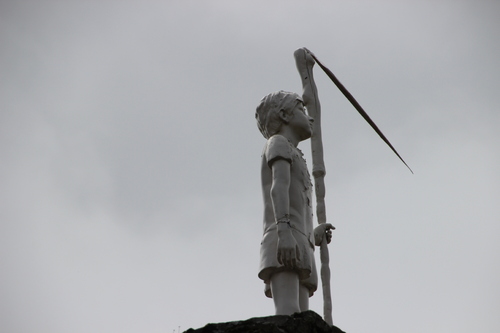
pixel 307 322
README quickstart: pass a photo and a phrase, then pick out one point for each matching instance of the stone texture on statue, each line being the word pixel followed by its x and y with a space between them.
pixel 306 322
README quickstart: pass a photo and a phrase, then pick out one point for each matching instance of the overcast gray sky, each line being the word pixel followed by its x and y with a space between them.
pixel 129 175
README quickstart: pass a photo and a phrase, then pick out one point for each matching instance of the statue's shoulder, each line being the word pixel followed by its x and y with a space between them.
pixel 278 147
pixel 278 140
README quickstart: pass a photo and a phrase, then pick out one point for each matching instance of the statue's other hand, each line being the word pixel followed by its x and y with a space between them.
pixel 288 250
pixel 321 231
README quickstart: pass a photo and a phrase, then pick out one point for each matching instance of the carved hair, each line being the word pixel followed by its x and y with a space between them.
pixel 267 113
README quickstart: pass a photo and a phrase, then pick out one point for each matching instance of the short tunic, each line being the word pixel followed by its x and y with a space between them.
pixel 300 211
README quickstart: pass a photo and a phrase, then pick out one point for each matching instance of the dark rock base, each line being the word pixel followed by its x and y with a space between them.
pixel 306 322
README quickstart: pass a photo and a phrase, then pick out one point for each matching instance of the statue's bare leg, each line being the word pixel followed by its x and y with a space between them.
pixel 285 290
pixel 303 298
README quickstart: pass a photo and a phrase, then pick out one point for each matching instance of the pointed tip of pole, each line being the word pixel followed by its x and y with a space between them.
pixel 407 165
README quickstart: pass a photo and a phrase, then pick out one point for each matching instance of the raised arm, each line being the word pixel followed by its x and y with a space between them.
pixel 305 63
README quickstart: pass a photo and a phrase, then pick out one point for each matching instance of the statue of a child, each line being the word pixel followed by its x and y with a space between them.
pixel 287 264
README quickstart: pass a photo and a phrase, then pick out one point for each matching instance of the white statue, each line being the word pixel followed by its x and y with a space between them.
pixel 287 260
pixel 287 264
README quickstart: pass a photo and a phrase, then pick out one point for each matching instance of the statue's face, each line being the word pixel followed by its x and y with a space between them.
pixel 300 122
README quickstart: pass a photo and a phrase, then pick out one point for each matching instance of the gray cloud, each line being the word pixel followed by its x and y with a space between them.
pixel 129 175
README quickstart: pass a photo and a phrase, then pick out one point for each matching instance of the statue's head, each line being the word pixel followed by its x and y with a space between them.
pixel 267 113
